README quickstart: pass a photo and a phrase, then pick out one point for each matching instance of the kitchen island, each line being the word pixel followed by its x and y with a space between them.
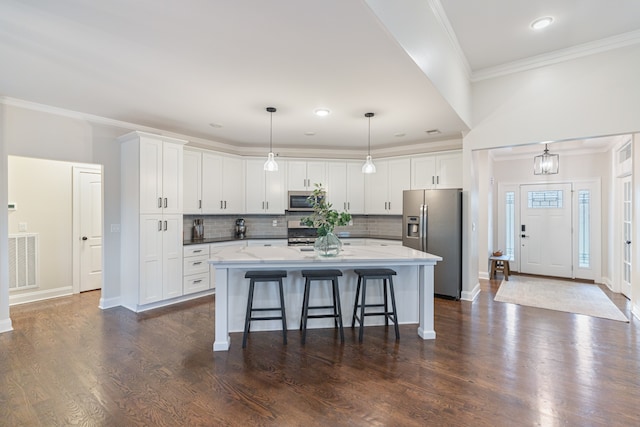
pixel 413 285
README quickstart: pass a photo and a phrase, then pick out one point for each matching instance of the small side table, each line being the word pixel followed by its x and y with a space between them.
pixel 499 263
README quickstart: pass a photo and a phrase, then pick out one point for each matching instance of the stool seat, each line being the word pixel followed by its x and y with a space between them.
pixel 264 276
pixel 386 275
pixel 321 275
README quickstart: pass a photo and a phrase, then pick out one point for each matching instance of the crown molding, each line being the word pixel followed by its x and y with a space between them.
pixel 444 22
pixel 555 57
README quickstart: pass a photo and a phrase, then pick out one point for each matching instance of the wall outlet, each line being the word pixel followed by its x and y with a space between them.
pixel 115 228
pixel 275 223
pixel 22 226
pixel 351 222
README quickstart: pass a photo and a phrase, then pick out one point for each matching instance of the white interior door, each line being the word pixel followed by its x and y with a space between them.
pixel 546 230
pixel 627 204
pixel 90 231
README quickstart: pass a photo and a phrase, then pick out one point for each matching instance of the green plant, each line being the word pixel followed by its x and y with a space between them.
pixel 324 218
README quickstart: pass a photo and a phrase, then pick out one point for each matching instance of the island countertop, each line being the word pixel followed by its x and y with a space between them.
pixel 414 283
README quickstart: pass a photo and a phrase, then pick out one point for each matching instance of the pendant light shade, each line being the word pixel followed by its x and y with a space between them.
pixel 270 165
pixel 368 166
pixel 545 163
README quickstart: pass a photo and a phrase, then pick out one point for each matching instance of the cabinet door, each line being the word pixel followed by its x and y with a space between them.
pixel 232 185
pixel 255 186
pixel 399 180
pixel 316 174
pixel 355 188
pixel 192 182
pixel 150 176
pixel 449 168
pixel 423 172
pixel 336 185
pixel 297 175
pixel 171 256
pixel 276 190
pixel 377 188
pixel 172 159
pixel 212 201
pixel 150 287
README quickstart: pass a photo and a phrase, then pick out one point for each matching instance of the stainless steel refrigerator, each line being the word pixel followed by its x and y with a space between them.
pixel 432 222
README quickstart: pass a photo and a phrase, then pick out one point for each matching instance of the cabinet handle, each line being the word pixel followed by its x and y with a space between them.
pixel 267 205
pixel 196 251
pixel 438 179
pixel 389 205
pixel 197 263
pixel 220 204
pixel 225 204
pixel 160 202
pixel 159 225
pixel 199 204
pixel 165 202
pixel 197 281
pixel 165 226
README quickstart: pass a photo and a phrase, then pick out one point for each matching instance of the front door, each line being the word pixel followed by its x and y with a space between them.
pixel 545 234
pixel 90 231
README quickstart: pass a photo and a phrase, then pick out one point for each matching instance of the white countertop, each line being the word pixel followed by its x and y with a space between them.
pixel 294 256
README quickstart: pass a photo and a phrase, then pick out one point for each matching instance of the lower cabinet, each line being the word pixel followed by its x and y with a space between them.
pixel 196 269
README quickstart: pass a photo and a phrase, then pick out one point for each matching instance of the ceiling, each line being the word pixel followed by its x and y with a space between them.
pixel 182 66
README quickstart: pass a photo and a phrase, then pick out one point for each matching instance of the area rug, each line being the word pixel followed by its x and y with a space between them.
pixel 559 295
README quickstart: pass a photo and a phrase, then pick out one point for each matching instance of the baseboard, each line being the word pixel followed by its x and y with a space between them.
pixel 636 312
pixel 483 275
pixel 5 325
pixel 109 303
pixel 470 296
pixel 141 308
pixel 607 282
pixel 34 296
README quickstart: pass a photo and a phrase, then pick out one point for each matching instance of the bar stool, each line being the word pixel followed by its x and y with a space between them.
pixel 499 263
pixel 264 276
pixel 384 274
pixel 317 275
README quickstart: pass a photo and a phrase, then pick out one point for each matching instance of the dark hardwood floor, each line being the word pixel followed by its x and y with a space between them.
pixel 492 364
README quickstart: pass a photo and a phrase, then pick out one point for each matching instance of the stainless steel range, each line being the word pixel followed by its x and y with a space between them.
pixel 300 235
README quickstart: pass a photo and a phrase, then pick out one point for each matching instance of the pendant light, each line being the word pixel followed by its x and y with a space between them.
pixel 270 165
pixel 545 163
pixel 368 166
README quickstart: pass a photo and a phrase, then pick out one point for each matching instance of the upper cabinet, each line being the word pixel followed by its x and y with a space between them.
pixel 345 186
pixel 265 192
pixel 437 171
pixel 159 174
pixel 213 183
pixel 303 175
pixel 384 188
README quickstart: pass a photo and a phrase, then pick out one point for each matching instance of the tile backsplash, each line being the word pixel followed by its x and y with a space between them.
pixel 263 226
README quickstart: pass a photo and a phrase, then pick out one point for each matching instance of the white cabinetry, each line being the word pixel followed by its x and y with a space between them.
pixel 196 269
pixel 384 188
pixel 437 171
pixel 222 184
pixel 192 182
pixel 265 192
pixel 151 219
pixel 345 186
pixel 303 175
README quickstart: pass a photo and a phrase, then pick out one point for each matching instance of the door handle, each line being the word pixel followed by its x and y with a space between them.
pixel 628 242
pixel 85 238
pixel 524 235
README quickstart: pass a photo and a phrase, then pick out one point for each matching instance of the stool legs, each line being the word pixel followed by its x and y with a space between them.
pixel 264 277
pixel 284 315
pixel 336 307
pixel 247 317
pixel 392 315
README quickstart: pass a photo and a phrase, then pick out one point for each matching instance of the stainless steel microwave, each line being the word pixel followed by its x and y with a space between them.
pixel 299 201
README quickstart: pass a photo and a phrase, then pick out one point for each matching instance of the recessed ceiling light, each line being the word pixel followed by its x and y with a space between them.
pixel 322 112
pixel 215 125
pixel 541 23
pixel 309 133
pixel 399 135
pixel 432 131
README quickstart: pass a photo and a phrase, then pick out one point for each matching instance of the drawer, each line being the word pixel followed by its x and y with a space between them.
pixel 196 265
pixel 195 250
pixel 195 283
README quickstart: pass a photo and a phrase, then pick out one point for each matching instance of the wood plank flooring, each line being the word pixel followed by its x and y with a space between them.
pixel 493 364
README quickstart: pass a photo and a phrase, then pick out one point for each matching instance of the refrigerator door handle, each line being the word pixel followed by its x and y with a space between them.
pixel 423 228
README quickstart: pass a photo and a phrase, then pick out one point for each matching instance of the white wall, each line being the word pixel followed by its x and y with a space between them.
pixel 42 191
pixel 590 96
pixel 40 134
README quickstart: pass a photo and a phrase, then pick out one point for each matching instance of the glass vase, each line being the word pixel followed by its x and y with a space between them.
pixel 327 245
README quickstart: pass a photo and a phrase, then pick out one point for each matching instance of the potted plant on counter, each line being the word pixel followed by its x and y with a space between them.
pixel 325 219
